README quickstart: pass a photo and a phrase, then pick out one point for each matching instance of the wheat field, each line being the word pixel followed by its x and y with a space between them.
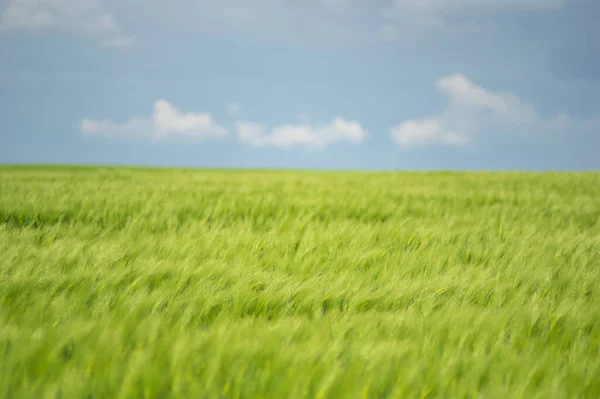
pixel 154 283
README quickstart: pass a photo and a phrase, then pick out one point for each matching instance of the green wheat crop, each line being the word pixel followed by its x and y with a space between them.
pixel 140 283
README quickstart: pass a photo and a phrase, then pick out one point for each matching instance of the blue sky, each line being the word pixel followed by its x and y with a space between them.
pixel 326 84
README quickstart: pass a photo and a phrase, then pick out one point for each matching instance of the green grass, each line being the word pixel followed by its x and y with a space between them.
pixel 119 283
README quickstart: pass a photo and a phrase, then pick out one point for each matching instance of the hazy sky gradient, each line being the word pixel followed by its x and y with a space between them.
pixel 332 84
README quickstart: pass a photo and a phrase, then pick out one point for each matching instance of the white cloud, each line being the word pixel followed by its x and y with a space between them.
pixel 311 137
pixel 473 111
pixel 165 122
pixel 469 98
pixel 136 127
pixel 80 16
pixel 233 108
pixel 418 133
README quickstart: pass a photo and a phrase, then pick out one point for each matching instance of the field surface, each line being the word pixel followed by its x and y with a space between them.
pixel 140 283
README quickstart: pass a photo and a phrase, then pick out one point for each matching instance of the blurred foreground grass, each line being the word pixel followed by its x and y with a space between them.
pixel 123 283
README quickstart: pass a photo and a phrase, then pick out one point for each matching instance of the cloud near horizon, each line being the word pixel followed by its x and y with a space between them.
pixel 168 122
pixel 473 112
pixel 165 122
pixel 308 136
pixel 85 17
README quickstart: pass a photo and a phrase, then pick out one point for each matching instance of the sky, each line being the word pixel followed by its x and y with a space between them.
pixel 303 84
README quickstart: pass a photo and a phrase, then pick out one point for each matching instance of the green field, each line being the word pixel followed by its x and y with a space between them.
pixel 141 283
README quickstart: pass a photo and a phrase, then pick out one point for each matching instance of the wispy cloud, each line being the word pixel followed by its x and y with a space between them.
pixel 474 111
pixel 165 122
pixel 233 108
pixel 307 136
pixel 471 5
pixel 315 22
pixel 85 17
pixel 428 16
